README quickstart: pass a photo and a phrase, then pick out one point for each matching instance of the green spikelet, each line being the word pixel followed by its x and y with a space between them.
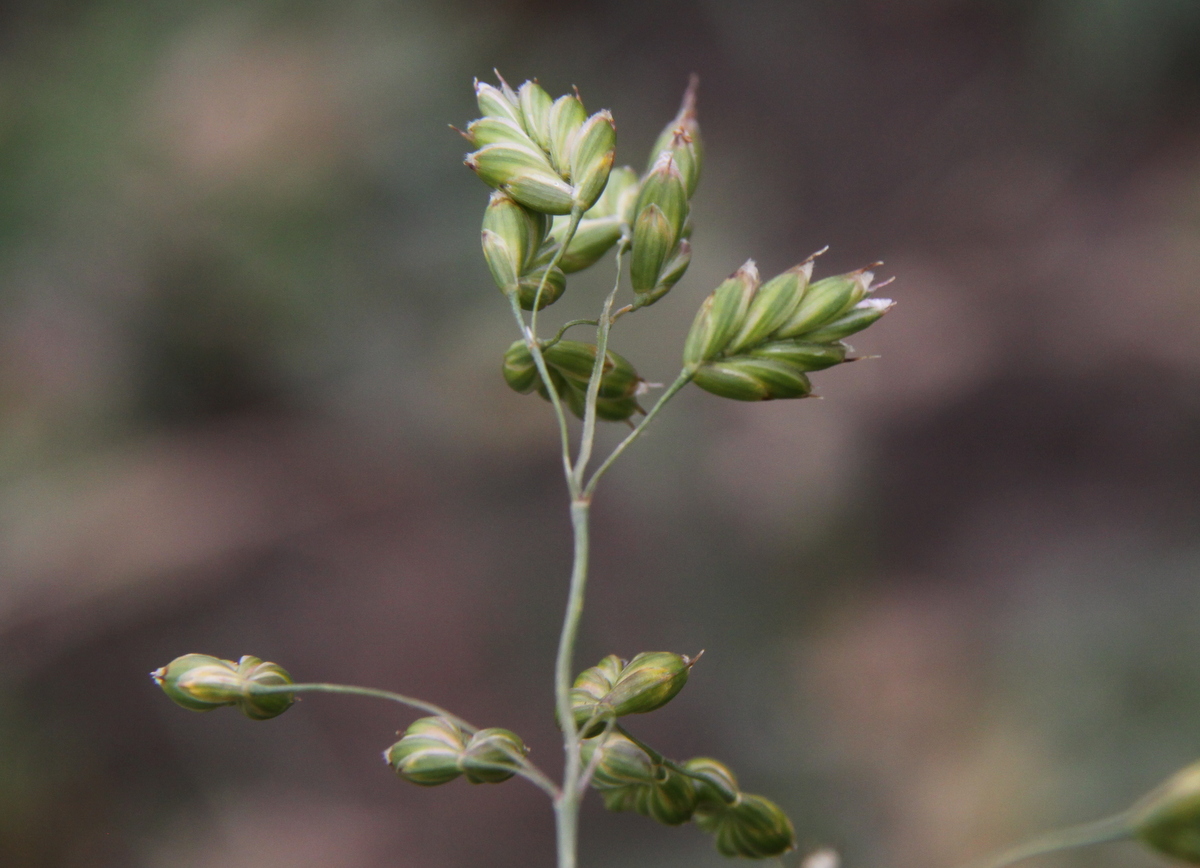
pixel 758 343
pixel 202 683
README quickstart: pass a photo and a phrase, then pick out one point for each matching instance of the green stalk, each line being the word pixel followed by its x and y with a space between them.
pixel 588 437
pixel 539 360
pixel 419 704
pixel 1098 832
pixel 566 806
pixel 528 770
pixel 529 332
pixel 576 216
pixel 685 377
pixel 568 325
pixel 658 758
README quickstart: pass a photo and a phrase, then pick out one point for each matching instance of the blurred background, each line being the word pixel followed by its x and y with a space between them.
pixel 250 402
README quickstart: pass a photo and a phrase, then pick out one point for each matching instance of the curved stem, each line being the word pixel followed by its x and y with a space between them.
pixel 1098 832
pixel 528 770
pixel 568 325
pixel 564 435
pixel 576 216
pixel 531 340
pixel 685 377
pixel 419 704
pixel 658 759
pixel 597 755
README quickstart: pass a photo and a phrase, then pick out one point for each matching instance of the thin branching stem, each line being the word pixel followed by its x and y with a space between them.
pixel 1111 828
pixel 564 434
pixel 566 807
pixel 527 769
pixel 419 704
pixel 568 325
pixel 685 377
pixel 572 225
pixel 575 778
pixel 588 437
pixel 597 755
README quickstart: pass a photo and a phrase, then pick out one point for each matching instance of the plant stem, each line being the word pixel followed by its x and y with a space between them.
pixel 588 437
pixel 539 360
pixel 419 704
pixel 1098 832
pixel 658 759
pixel 528 770
pixel 569 325
pixel 566 806
pixel 531 339
pixel 685 377
pixel 572 225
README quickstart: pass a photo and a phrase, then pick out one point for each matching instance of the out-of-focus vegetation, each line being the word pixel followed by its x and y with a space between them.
pixel 250 402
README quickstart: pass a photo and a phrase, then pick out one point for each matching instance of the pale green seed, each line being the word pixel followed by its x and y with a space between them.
pixel 681 139
pixel 804 355
pixel 714 781
pixel 521 229
pixel 531 281
pixel 593 239
pixel 622 763
pixel 494 103
pixel 566 117
pixel 519 369
pixel 200 682
pixel 721 316
pixel 575 361
pixel 535 106
pixel 590 184
pixel 663 186
pixel 745 378
pixel 648 682
pixel 730 381
pixel 772 305
pixel 670 799
pixel 591 159
pixel 754 827
pixel 498 131
pixel 653 241
pixel 669 275
pixel 428 753
pixel 500 164
pixel 502 261
pixel 618 198
pixel 824 300
pixel 543 193
pixel 492 756
pixel 863 314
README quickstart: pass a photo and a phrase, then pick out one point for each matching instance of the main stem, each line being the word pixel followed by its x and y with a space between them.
pixel 566 806
pixel 567 801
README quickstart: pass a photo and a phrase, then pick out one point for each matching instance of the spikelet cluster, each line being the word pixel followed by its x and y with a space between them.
pixel 551 164
pixel 701 789
pixel 570 364
pixel 615 687
pixel 434 750
pixel 755 341
pixel 202 683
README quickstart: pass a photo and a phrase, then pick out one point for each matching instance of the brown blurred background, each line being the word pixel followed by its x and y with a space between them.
pixel 250 403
